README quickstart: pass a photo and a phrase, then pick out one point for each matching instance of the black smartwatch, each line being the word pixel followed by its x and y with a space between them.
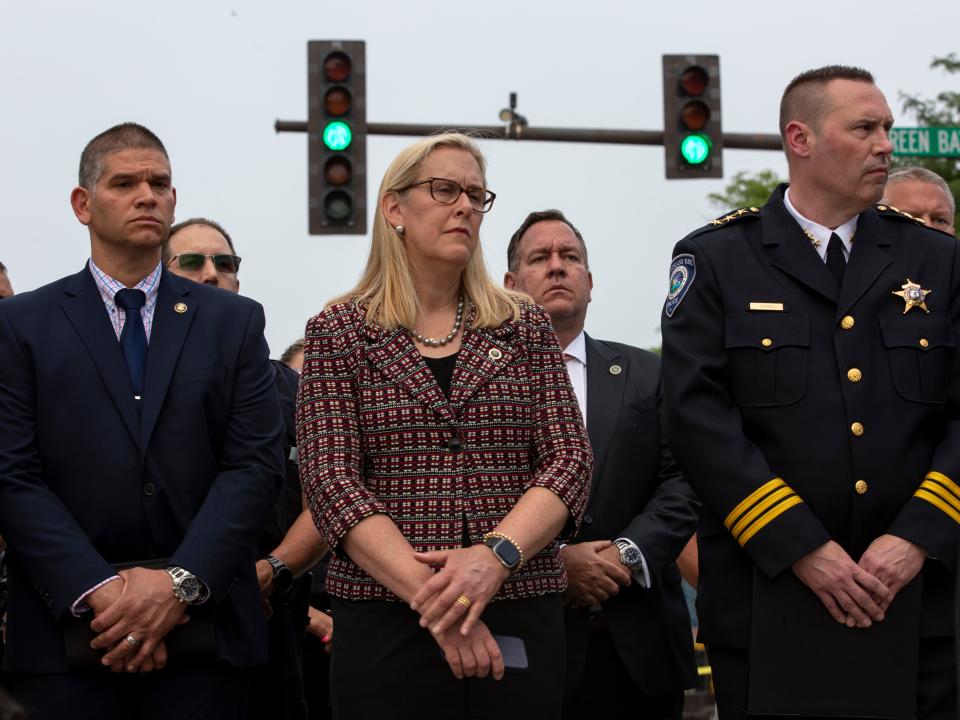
pixel 282 575
pixel 507 552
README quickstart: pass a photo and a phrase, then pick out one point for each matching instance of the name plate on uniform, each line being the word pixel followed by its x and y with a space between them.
pixel 766 306
pixel 803 662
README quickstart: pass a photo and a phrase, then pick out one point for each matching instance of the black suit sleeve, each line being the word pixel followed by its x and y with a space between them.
pixel 669 519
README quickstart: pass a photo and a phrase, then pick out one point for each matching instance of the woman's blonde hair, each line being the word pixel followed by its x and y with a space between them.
pixel 386 287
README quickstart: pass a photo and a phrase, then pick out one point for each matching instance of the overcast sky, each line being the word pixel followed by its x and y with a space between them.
pixel 211 77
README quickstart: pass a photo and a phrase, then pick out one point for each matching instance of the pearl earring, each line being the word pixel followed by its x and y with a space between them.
pixel 401 230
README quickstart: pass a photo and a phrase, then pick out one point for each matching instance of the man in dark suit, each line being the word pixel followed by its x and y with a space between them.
pixel 139 424
pixel 629 642
pixel 812 380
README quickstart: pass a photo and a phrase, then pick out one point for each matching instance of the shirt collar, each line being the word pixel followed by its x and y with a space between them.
pixel 109 287
pixel 820 232
pixel 578 348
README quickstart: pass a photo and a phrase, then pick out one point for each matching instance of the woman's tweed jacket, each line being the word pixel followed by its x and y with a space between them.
pixel 376 434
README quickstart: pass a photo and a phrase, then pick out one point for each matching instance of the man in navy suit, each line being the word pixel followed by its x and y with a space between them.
pixel 629 642
pixel 139 425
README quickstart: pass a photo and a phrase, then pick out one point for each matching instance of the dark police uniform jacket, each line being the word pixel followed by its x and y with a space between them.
pixel 801 411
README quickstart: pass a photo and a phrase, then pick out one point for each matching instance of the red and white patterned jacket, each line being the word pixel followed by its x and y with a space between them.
pixel 376 434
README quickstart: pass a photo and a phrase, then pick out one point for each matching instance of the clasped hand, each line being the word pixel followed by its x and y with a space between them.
pixel 140 605
pixel 473 573
pixel 858 594
pixel 594 572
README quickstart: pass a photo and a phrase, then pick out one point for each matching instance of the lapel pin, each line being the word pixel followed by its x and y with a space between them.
pixel 495 354
pixel 913 295
pixel 180 308
pixel 615 369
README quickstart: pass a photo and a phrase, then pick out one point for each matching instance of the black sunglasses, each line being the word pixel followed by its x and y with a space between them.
pixel 193 262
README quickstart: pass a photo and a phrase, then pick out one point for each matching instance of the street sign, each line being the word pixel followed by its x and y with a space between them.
pixel 926 141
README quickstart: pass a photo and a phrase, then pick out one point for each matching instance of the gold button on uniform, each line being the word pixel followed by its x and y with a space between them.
pixel 861 487
pixel 857 429
pixel 847 322
pixel 766 342
pixel 924 342
pixel 854 375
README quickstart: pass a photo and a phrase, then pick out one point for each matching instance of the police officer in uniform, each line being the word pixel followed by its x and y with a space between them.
pixel 812 379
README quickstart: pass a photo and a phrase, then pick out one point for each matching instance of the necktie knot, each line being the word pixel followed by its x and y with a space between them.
pixel 128 299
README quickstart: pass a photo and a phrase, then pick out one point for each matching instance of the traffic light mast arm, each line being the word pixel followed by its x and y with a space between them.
pixel 736 141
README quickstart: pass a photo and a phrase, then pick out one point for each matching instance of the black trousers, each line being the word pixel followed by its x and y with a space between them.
pixel 936 686
pixel 277 689
pixel 598 684
pixel 188 691
pixel 384 665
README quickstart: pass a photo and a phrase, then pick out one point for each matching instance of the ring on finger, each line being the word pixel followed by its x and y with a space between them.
pixel 132 641
pixel 464 600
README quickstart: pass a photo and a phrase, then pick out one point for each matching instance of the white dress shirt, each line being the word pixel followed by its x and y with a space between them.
pixel 821 233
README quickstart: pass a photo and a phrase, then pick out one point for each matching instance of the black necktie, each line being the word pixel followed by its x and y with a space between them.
pixel 835 260
pixel 133 339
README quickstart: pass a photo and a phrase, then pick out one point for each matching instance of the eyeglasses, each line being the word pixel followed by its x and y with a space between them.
pixel 448 192
pixel 194 262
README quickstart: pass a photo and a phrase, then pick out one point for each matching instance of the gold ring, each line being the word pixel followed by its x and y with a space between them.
pixel 464 600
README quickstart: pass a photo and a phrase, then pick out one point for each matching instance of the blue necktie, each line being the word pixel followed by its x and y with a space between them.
pixel 133 339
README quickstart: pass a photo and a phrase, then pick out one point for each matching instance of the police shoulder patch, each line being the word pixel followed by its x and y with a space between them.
pixel 683 269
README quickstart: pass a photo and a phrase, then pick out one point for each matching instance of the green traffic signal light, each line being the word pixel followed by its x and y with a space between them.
pixel 695 148
pixel 337 136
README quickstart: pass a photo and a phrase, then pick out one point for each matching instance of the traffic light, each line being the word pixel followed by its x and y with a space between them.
pixel 337 137
pixel 692 133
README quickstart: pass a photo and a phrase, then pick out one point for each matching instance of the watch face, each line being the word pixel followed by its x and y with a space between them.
pixel 508 553
pixel 189 588
pixel 630 556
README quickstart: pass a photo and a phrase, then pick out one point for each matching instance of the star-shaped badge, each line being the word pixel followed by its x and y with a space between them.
pixel 913 295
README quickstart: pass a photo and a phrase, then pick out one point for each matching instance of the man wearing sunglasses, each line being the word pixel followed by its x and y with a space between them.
pixel 140 452
pixel 201 250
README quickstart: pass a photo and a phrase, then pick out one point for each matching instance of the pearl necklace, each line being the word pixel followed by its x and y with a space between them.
pixel 433 342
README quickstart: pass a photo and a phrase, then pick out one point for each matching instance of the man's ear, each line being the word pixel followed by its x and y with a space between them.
pixel 509 281
pixel 799 138
pixel 590 280
pixel 390 207
pixel 80 202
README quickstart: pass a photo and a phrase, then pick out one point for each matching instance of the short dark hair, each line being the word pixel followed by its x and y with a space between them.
pixel 296 347
pixel 3 268
pixel 195 221
pixel 125 136
pixel 804 98
pixel 513 249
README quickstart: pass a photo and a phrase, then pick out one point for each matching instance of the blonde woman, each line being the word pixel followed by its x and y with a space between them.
pixel 442 453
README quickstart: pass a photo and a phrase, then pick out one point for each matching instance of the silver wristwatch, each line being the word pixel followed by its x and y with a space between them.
pixel 187 587
pixel 629 555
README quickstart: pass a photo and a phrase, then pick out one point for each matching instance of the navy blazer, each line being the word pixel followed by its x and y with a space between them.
pixel 87 479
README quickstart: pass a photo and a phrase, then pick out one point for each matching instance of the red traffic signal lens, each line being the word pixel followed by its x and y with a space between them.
pixel 337 206
pixel 337 170
pixel 336 67
pixel 694 81
pixel 694 115
pixel 337 101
